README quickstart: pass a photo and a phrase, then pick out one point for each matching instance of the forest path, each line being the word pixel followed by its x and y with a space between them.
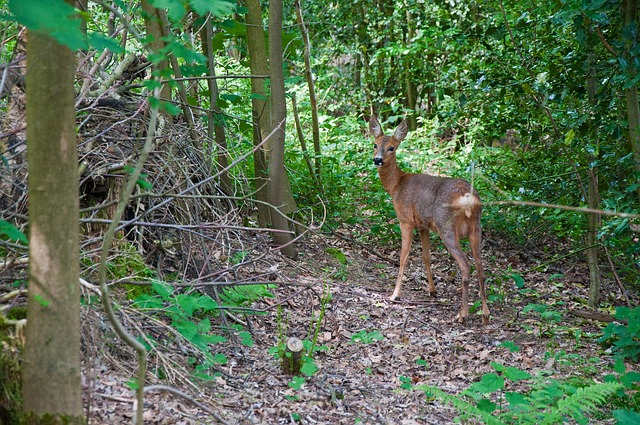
pixel 375 347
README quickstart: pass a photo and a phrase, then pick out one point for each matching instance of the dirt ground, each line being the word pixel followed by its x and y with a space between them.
pixel 359 380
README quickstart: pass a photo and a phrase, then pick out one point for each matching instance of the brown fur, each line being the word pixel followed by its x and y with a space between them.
pixel 447 206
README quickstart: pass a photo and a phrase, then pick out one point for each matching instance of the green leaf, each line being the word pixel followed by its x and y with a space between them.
pixel 486 405
pixel 175 8
pixel 514 374
pixel 517 401
pixel 422 362
pixel 630 380
pixel 309 368
pixel 489 383
pixel 55 18
pixel 145 301
pixel 41 300
pixel 296 382
pixel 132 384
pixel 518 279
pixel 219 358
pixel 619 366
pixel 497 366
pixel 100 42
pixel 245 338
pixel 163 289
pixel 215 7
pixel 367 337
pixel 12 232
pixel 510 345
pixel 626 417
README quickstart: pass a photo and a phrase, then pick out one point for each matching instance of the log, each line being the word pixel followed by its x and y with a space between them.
pixel 594 315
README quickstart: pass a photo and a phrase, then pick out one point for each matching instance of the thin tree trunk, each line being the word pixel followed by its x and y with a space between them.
pixel 408 77
pixel 260 111
pixel 594 219
pixel 278 182
pixel 51 369
pixel 312 92
pixel 182 91
pixel 303 143
pixel 215 129
pixel 631 93
pixel 153 27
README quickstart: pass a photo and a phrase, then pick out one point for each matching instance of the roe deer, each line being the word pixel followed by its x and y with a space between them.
pixel 448 206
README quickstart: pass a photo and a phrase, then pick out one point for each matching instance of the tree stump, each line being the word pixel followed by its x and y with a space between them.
pixel 292 356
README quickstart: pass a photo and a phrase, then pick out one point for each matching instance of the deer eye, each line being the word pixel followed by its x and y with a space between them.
pixel 390 148
pixel 375 146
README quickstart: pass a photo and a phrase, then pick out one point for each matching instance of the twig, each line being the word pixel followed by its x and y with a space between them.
pixel 187 397
pixel 102 269
pixel 615 275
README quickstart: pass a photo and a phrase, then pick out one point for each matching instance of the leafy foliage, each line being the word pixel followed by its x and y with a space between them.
pixel 547 401
pixel 624 339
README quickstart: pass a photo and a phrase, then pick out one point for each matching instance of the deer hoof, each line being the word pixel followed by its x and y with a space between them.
pixel 485 320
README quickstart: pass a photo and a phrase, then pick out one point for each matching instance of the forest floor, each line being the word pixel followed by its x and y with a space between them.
pixel 364 379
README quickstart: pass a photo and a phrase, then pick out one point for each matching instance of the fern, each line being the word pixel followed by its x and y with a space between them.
pixel 537 409
pixel 466 409
pixel 582 402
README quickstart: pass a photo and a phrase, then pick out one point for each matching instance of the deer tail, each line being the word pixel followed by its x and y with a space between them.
pixel 467 202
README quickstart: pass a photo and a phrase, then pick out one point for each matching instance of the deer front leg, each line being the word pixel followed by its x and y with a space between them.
pixel 426 258
pixel 407 231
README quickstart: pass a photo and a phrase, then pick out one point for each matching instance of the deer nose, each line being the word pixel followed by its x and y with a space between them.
pixel 377 161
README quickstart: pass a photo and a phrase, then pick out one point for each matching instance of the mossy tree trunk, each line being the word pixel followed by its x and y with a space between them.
pixel 51 369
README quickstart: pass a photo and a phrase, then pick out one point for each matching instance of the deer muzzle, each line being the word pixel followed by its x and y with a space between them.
pixel 377 161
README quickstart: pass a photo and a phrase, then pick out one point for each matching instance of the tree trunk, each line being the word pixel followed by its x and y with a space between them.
pixel 631 93
pixel 312 91
pixel 408 77
pixel 260 112
pixel 594 219
pixel 215 128
pixel 51 370
pixel 278 182
pixel 153 27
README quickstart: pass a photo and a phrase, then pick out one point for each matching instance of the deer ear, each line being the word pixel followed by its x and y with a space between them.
pixel 401 131
pixel 374 126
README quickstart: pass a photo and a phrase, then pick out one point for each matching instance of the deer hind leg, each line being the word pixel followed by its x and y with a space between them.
pixel 407 233
pixel 453 246
pixel 426 258
pixel 474 242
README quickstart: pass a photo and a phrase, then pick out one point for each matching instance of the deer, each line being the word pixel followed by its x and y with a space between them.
pixel 450 207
